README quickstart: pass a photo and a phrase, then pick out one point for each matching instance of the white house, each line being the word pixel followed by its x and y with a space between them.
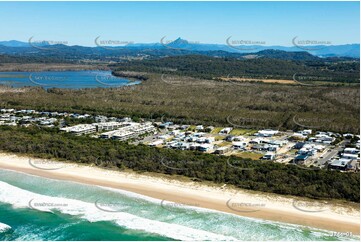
pixel 226 130
pixel 269 156
pixel 156 142
pixel 210 140
pixel 266 132
pixel 351 151
pixel 239 145
pixel 199 128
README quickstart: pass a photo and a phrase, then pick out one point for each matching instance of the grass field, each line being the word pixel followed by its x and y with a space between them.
pixel 243 132
pixel 249 155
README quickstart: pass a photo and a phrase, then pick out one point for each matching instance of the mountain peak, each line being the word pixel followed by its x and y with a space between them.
pixel 14 43
pixel 179 40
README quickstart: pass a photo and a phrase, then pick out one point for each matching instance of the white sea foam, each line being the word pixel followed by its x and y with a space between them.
pixel 239 227
pixel 191 205
pixel 4 227
pixel 298 229
pixel 25 199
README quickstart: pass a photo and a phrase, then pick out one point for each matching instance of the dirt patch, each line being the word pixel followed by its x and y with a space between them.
pixel 240 79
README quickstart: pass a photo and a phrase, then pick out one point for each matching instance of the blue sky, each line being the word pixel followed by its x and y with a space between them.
pixel 275 23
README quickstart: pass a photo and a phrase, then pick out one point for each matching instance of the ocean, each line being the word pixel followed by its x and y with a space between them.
pixel 37 208
pixel 64 79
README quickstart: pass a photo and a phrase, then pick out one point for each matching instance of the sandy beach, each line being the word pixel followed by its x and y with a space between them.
pixel 334 216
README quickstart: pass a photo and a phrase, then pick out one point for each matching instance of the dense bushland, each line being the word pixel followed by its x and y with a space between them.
pixel 263 176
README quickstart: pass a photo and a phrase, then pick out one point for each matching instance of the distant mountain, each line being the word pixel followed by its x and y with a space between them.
pixel 348 50
pixel 14 43
pixel 183 47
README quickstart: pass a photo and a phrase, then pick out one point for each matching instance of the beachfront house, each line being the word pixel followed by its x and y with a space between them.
pixel 269 156
pixel 300 159
pixel 340 164
pixel 205 147
pixel 222 150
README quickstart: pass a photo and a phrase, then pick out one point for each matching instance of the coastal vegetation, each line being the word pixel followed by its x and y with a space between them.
pixel 188 100
pixel 244 173
pixel 206 67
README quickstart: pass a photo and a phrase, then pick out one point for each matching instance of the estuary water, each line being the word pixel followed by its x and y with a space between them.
pixel 64 79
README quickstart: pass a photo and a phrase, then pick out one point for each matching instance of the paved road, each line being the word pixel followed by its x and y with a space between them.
pixel 329 154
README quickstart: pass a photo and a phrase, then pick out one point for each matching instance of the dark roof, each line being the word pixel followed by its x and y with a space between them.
pixel 301 157
pixel 299 145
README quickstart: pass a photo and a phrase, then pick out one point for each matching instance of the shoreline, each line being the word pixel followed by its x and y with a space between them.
pixel 137 76
pixel 293 210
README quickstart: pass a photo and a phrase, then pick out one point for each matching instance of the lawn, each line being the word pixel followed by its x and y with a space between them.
pixel 224 144
pixel 249 155
pixel 243 132
pixel 216 130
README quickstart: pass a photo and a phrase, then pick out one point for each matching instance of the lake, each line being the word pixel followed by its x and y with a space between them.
pixel 64 79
